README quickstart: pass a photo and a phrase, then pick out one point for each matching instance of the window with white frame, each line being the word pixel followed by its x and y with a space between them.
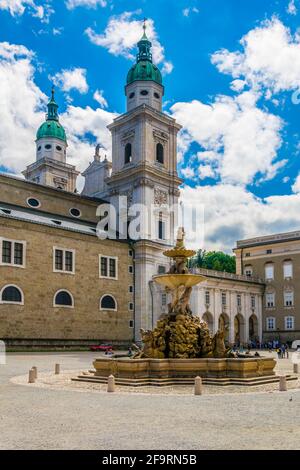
pixel 207 297
pixel 289 323
pixel 270 299
pixel 271 323
pixel 252 301
pixel 269 271
pixel 164 299
pixel 239 300
pixel 288 297
pixel 11 294
pixel 12 252
pixel 63 260
pixel 108 266
pixel 287 269
pixel 224 300
pixel 63 298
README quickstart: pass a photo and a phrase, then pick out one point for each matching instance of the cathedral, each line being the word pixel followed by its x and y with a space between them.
pixel 62 284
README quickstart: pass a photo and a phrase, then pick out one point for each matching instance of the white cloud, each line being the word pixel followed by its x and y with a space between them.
pixel 99 97
pixel 206 171
pixel 270 58
pixel 18 7
pixel 122 34
pixel 22 111
pixel 187 11
pixel 187 173
pixel 296 185
pixel 238 138
pixel 232 213
pixel 291 8
pixel 70 4
pixel 238 85
pixel 73 79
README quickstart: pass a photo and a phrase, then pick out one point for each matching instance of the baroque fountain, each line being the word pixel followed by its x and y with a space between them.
pixel 181 346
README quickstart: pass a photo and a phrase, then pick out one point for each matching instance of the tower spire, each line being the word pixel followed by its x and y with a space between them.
pixel 144 46
pixel 52 106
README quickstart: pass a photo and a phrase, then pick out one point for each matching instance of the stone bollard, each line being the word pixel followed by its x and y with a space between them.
pixel 111 386
pixel 57 369
pixel 282 383
pixel 296 368
pixel 31 376
pixel 198 386
pixel 35 371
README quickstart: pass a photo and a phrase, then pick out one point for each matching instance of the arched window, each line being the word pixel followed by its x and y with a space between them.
pixel 63 298
pixel 108 302
pixel 159 153
pixel 11 295
pixel 128 153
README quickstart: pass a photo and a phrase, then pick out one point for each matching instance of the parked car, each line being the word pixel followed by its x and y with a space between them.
pixel 101 347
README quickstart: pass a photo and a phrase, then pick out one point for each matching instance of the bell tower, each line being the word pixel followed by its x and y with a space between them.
pixel 51 168
pixel 144 169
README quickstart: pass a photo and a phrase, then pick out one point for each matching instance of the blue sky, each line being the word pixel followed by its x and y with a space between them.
pixel 231 74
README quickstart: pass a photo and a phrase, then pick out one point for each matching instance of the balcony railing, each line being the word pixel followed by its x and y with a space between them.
pixel 225 275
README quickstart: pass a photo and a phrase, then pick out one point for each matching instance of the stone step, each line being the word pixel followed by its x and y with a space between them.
pixel 226 381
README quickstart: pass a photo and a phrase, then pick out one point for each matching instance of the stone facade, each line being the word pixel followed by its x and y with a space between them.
pixel 276 260
pixel 36 320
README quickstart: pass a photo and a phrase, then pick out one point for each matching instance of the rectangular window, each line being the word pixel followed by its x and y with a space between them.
pixel 270 300
pixel 288 299
pixel 6 251
pixel 269 271
pixel 108 267
pixel 69 261
pixel 161 230
pixel 130 269
pixel 112 267
pixel 252 301
pixel 271 324
pixel 239 300
pixel 223 299
pixel 269 252
pixel 12 252
pixel 130 253
pixel 207 298
pixel 131 323
pixel 64 260
pixel 130 305
pixel 164 299
pixel 289 323
pixel 161 269
pixel 248 271
pixel 288 270
pixel 130 289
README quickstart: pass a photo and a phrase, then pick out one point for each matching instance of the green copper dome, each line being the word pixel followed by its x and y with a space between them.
pixel 144 69
pixel 51 127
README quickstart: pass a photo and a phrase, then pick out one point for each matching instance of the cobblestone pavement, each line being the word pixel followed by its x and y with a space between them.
pixel 33 417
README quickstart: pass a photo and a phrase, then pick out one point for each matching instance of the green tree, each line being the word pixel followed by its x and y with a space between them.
pixel 216 260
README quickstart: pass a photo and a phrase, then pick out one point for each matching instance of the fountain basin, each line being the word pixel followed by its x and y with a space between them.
pixel 173 281
pixel 225 371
